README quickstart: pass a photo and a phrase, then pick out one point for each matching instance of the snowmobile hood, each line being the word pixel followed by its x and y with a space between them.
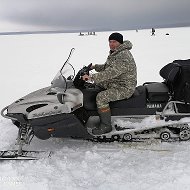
pixel 44 102
pixel 41 96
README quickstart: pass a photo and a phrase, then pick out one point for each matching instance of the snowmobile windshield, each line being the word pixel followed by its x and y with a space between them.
pixel 64 76
pixel 68 71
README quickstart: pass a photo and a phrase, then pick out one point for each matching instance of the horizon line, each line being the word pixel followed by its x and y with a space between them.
pixel 83 31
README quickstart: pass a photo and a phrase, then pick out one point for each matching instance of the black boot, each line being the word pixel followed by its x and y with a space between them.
pixel 105 122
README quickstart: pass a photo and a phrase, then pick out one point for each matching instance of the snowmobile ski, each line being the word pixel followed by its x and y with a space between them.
pixel 25 155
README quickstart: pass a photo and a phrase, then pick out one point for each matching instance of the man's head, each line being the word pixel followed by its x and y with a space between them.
pixel 115 40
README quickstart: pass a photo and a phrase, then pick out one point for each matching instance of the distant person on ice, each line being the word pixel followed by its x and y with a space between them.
pixel 153 31
pixel 117 76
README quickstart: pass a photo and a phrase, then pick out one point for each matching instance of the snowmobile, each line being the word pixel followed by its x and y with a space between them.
pixel 67 108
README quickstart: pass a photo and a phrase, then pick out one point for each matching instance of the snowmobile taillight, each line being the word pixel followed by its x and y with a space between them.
pixel 51 130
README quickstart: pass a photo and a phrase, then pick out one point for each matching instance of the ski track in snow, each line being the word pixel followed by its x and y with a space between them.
pixel 78 164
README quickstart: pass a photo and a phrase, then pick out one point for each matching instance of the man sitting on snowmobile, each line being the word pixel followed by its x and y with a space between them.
pixel 117 76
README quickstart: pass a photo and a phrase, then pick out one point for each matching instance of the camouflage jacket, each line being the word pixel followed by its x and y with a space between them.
pixel 119 71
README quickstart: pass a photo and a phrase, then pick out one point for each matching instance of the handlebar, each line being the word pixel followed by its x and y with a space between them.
pixel 78 82
pixel 86 70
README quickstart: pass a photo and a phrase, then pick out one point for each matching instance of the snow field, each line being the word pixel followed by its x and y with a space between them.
pixel 29 62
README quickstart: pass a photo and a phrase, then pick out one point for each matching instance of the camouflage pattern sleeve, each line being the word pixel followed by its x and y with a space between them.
pixel 99 68
pixel 114 71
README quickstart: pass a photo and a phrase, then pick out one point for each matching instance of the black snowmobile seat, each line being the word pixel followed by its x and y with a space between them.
pixel 138 99
pixel 157 92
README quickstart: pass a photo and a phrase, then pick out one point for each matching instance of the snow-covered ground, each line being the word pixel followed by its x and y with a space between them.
pixel 29 62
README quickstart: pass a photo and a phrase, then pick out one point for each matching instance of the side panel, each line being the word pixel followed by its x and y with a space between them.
pixel 62 125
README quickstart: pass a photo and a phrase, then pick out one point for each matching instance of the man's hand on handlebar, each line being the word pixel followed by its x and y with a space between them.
pixel 86 77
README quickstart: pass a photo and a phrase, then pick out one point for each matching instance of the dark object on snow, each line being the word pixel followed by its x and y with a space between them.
pixel 153 31
pixel 177 78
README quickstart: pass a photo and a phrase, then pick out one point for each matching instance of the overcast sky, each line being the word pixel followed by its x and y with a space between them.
pixel 25 15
